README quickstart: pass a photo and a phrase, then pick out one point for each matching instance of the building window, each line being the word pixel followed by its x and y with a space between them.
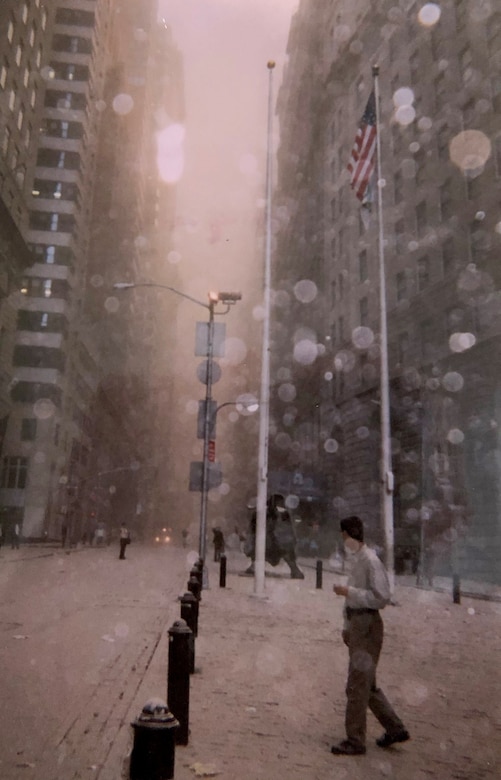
pixel 401 281
pixel 20 117
pixel 26 77
pixel 10 31
pixel 32 36
pixel 33 98
pixel 427 349
pixel 54 220
pixel 47 288
pixel 333 292
pixel 25 13
pixel 398 187
pixel 448 261
pixel 14 472
pixel 421 218
pixel 403 347
pixel 28 429
pixel 19 54
pixel 362 264
pixel 3 76
pixel 423 272
pixel 446 209
pixel 50 254
pixel 12 100
pixel 44 19
pixel 400 235
pixel 364 311
pixel 39 57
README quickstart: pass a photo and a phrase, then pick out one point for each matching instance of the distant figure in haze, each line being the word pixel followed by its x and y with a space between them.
pixel 15 536
pixel 124 541
pixel 218 540
pixel 64 533
pixel 184 535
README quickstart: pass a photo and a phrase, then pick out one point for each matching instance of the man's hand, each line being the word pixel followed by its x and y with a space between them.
pixel 340 590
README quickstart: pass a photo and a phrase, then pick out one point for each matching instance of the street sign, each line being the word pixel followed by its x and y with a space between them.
pixel 203 372
pixel 215 475
pixel 212 451
pixel 202 339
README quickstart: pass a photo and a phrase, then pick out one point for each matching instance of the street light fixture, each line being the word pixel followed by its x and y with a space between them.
pixel 227 299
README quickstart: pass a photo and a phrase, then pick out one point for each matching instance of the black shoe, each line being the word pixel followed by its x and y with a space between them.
pixel 347 748
pixel 387 740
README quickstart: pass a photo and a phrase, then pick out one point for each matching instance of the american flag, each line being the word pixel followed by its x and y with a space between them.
pixel 361 164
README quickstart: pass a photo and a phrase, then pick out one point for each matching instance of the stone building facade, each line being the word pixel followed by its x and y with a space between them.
pixel 440 136
pixel 80 139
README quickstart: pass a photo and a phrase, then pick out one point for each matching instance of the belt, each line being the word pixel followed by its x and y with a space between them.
pixel 352 611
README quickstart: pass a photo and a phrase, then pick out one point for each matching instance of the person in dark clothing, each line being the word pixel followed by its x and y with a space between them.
pixel 124 540
pixel 280 537
pixel 219 546
pixel 367 592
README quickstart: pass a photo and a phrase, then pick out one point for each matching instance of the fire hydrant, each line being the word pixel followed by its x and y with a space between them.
pixel 153 753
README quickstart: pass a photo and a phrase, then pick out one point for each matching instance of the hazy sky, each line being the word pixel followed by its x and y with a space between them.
pixel 226 45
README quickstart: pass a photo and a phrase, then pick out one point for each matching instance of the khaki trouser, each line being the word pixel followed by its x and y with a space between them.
pixel 365 640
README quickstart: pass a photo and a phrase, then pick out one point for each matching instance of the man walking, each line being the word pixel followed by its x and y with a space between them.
pixel 124 540
pixel 366 592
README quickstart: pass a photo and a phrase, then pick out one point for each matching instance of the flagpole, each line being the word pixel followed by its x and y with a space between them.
pixel 264 402
pixel 387 479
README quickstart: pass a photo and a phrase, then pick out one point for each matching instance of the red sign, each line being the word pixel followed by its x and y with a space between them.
pixel 212 451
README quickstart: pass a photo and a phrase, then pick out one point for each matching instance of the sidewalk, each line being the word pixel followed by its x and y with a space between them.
pixel 267 697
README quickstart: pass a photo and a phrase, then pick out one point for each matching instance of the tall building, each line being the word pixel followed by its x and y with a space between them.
pixel 80 140
pixel 440 134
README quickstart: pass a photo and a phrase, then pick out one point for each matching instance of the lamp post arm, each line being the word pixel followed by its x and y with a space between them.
pixel 131 285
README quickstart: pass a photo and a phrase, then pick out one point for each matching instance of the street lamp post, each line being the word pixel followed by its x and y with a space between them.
pixel 227 299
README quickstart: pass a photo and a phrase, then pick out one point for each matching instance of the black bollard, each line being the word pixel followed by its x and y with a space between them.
pixel 154 749
pixel 198 573
pixel 456 589
pixel 222 571
pixel 178 677
pixel 319 575
pixel 195 588
pixel 189 613
pixel 199 567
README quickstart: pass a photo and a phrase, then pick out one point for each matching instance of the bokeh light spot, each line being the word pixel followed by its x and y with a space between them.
pixel 429 14
pixel 123 104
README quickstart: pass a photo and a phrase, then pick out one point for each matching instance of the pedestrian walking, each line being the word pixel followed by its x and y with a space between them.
pixel 15 536
pixel 124 540
pixel 218 540
pixel 366 593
